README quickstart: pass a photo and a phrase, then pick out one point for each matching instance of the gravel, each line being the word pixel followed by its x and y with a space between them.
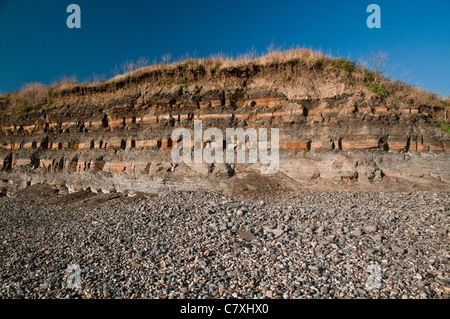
pixel 205 245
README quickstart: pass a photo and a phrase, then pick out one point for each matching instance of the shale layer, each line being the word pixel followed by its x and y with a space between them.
pixel 116 136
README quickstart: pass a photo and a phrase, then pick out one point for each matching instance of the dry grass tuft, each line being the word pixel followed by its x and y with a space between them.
pixel 36 95
pixel 32 96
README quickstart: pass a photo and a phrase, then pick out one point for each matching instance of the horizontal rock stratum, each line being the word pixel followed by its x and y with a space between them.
pixel 340 127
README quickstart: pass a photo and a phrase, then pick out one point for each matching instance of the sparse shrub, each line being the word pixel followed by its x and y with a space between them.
pixel 376 62
pixel 129 66
pixel 96 78
pixel 166 58
pixel 379 61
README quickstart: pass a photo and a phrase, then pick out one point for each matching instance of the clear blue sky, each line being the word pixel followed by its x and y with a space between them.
pixel 37 46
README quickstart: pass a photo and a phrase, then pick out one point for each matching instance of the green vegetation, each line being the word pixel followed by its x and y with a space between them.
pixel 377 89
pixel 343 64
pixel 184 82
pixel 295 64
pixel 190 65
pixel 167 80
pixel 398 100
pixel 183 66
pixel 444 127
pixel 26 107
pixel 21 109
pixel 215 68
pixel 370 75
pixel 318 64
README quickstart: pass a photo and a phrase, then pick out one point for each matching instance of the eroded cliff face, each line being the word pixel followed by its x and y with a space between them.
pixel 117 136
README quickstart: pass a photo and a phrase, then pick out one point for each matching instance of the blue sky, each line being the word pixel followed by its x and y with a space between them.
pixel 37 46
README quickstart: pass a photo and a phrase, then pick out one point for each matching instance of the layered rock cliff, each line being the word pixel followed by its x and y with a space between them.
pixel 339 127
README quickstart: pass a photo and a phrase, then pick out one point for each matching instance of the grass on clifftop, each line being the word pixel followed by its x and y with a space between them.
pixel 35 95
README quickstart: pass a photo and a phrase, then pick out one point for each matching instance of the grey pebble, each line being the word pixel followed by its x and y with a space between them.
pixel 398 250
pixel 356 233
pixel 371 228
pixel 205 245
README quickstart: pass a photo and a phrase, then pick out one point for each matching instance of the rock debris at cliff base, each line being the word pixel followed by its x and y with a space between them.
pixel 208 245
